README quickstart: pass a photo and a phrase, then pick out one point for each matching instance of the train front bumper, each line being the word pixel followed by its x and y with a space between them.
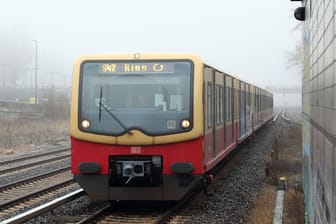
pixel 173 188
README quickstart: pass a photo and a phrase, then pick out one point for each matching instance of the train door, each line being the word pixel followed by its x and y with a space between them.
pixel 236 103
pixel 248 115
pixel 233 105
pixel 242 109
pixel 255 106
pixel 229 110
pixel 262 108
pixel 253 98
pixel 226 140
pixel 259 106
pixel 208 109
pixel 219 132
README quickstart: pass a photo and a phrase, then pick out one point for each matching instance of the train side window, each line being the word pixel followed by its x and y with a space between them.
pixel 228 103
pixel 209 101
pixel 260 103
pixel 232 99
pixel 219 104
pixel 242 97
pixel 248 98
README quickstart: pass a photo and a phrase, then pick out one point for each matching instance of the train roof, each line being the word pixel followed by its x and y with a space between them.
pixel 234 76
pixel 140 55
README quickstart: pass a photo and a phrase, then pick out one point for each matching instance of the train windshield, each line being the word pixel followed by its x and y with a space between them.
pixel 154 97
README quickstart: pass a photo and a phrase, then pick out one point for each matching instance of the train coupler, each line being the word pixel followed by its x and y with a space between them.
pixel 207 180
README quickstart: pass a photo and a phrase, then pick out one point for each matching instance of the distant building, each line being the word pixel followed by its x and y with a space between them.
pixel 319 109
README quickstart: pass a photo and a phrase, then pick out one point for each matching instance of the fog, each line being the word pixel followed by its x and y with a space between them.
pixel 248 39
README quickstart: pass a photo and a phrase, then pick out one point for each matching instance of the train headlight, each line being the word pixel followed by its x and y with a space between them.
pixel 185 124
pixel 85 123
pixel 137 56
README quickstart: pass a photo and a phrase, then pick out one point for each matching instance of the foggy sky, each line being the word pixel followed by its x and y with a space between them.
pixel 249 39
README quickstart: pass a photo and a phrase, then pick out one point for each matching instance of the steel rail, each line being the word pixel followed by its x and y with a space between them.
pixel 32 213
pixel 276 116
pixel 32 194
pixel 34 164
pixel 39 176
pixel 164 218
pixel 14 160
pixel 284 116
pixel 95 215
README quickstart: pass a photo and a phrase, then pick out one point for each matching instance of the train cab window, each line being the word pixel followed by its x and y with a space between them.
pixel 152 96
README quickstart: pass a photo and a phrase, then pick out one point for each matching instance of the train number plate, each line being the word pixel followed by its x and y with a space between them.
pixel 135 149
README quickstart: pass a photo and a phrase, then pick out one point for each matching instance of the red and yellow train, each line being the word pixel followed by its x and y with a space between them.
pixel 152 126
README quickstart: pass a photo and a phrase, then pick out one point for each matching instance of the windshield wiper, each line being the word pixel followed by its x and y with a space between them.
pixel 101 105
pixel 100 102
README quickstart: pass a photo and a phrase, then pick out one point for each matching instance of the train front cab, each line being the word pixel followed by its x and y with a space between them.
pixel 166 166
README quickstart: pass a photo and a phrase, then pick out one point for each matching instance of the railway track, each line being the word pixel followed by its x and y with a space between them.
pixel 130 212
pixel 127 212
pixel 136 212
pixel 27 193
pixel 121 212
pixel 48 206
pixel 18 164
pixel 294 115
pixel 290 114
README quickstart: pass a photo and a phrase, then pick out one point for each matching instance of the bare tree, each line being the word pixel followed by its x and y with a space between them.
pixel 295 57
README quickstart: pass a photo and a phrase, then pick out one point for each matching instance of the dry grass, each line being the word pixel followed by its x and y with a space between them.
pixel 16 133
pixel 263 208
pixel 284 161
pixel 294 206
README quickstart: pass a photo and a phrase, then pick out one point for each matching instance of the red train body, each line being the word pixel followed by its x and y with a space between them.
pixel 196 116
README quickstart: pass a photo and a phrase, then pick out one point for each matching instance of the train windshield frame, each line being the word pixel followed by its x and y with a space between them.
pixel 152 96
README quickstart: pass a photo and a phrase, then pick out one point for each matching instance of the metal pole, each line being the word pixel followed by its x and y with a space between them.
pixel 35 71
pixel 31 81
pixel 3 77
pixel 4 90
